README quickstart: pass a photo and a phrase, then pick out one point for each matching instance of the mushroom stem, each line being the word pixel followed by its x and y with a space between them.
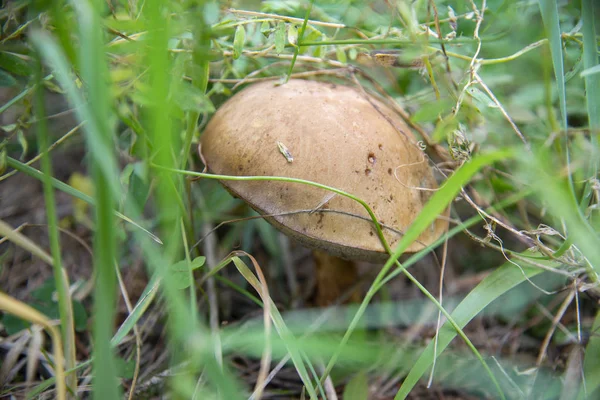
pixel 335 277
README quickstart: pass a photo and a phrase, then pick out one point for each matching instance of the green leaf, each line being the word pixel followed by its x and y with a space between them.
pixel 444 127
pixel 591 363
pixel 481 99
pixel 125 368
pixel 13 325
pixel 238 41
pixel 292 35
pixel 357 388
pixel 280 38
pixel 80 316
pixel 432 111
pixel 3 160
pixel 341 55
pixel 265 29
pixel 6 80
pixel 191 98
pixel 181 272
pixel 14 63
pixel 23 142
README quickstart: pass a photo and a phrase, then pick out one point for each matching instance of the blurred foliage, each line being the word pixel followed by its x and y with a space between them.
pixel 475 81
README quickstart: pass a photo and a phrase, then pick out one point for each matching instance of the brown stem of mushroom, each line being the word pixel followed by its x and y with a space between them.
pixel 335 276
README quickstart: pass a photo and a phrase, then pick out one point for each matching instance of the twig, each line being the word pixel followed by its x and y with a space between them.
pixel 284 18
pixel 439 318
pixel 555 321
pixel 478 80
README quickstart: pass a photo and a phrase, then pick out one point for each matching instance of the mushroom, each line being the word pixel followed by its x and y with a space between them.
pixel 334 135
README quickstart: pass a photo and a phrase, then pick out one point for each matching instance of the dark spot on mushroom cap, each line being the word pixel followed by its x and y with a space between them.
pixel 368 171
pixel 371 158
pixel 371 233
pixel 320 220
pixel 389 171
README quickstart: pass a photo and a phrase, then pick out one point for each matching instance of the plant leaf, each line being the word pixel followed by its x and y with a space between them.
pixel 181 271
pixel 280 38
pixel 238 41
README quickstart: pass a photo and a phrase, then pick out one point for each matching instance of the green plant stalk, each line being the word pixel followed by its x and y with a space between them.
pixel 192 288
pixel 166 143
pixel 65 307
pixel 105 292
pixel 105 175
pixel 591 363
pixel 592 85
pixel 199 77
pixel 300 37
pixel 343 42
pixel 549 11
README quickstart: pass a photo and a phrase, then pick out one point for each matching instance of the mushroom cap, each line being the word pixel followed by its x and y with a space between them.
pixel 337 136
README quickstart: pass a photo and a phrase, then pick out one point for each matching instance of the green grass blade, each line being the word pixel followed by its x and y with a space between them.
pixel 591 364
pixel 592 85
pixel 94 73
pixel 55 58
pixel 63 187
pixel 549 10
pixel 138 310
pixel 497 283
pixel 65 306
pixel 555 192
pixel 300 36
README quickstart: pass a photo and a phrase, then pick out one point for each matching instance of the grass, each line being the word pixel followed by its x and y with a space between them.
pixel 501 104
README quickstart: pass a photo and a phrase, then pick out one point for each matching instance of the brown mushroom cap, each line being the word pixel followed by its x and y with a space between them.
pixel 336 136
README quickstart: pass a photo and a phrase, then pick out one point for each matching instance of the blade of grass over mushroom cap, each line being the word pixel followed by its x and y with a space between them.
pixel 290 180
